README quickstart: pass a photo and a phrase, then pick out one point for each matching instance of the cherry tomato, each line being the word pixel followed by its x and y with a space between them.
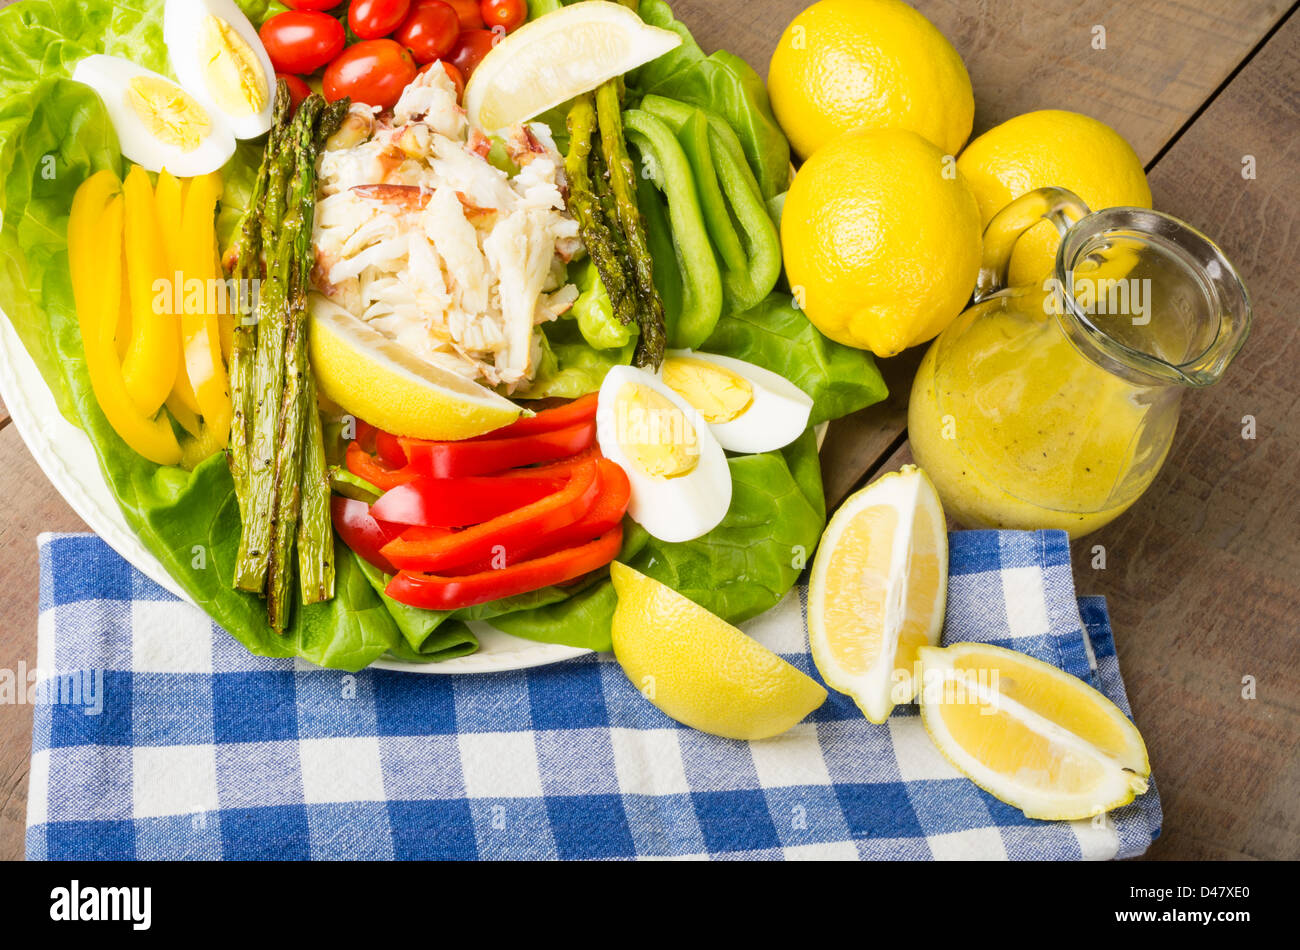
pixel 372 71
pixel 469 13
pixel 471 46
pixel 318 5
pixel 430 31
pixel 372 19
pixel 510 14
pixel 298 90
pixel 301 42
pixel 452 73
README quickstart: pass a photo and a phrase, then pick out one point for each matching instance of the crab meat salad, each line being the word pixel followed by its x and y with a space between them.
pixel 418 234
pixel 426 320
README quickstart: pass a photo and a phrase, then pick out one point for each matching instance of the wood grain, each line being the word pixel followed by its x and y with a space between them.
pixel 33 506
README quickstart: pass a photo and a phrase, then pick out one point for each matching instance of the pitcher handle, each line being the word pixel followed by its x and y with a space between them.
pixel 1058 205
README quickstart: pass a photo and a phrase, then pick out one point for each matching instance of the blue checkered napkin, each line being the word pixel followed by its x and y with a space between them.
pixel 177 743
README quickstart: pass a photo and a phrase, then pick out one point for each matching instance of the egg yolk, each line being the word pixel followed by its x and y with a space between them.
pixel 231 68
pixel 169 113
pixel 719 394
pixel 655 434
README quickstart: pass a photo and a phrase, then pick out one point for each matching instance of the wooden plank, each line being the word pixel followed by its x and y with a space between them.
pixel 1200 575
pixel 34 506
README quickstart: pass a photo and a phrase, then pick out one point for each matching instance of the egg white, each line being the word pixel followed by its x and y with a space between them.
pixel 182 29
pixel 671 509
pixel 776 417
pixel 109 76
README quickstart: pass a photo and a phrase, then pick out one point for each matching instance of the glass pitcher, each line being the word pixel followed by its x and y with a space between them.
pixel 1054 406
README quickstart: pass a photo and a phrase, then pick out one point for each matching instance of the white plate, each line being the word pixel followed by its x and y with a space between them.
pixel 65 455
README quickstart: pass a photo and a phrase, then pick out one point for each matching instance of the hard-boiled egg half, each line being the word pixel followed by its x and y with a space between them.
pixel 218 57
pixel 159 125
pixel 681 485
pixel 748 409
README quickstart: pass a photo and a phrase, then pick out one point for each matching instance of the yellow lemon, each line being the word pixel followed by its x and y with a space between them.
pixel 1051 147
pixel 699 669
pixel 1030 734
pixel 881 239
pixel 878 589
pixel 846 64
pixel 375 379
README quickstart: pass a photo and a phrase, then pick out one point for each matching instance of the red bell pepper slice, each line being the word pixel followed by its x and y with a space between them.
pixel 364 465
pixel 388 449
pixel 485 456
pixel 363 532
pixel 582 409
pixel 562 468
pixel 458 502
pixel 517 529
pixel 605 513
pixel 434 592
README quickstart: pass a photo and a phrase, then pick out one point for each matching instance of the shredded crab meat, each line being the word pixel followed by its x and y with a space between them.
pixel 420 236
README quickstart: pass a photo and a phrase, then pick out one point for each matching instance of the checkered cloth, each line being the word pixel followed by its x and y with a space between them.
pixel 180 744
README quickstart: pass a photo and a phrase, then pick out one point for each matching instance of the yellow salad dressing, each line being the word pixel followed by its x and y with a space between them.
pixel 1017 429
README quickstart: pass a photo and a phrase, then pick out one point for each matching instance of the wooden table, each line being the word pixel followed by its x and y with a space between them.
pixel 1203 575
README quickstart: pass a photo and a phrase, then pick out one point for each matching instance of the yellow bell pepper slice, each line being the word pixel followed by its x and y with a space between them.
pixel 95 238
pixel 202 330
pixel 153 356
pixel 168 202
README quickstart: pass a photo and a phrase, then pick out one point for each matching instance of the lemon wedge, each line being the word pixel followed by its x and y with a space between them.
pixel 375 379
pixel 699 669
pixel 878 588
pixel 1030 734
pixel 558 56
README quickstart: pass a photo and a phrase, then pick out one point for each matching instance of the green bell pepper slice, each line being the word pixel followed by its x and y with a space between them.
pixel 752 269
pixel 594 311
pixel 692 129
pixel 664 160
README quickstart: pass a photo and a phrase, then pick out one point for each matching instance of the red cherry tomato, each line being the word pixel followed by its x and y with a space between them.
pixel 301 42
pixel 372 71
pixel 471 46
pixel 430 31
pixel 298 90
pixel 452 73
pixel 469 12
pixel 372 19
pixel 510 14
pixel 318 5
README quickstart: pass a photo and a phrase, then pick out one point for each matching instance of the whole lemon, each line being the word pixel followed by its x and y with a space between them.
pixel 1051 147
pixel 881 239
pixel 845 64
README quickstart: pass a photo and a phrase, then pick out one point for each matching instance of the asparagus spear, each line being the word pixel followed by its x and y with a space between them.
pixel 315 530
pixel 292 416
pixel 331 118
pixel 278 242
pixel 596 233
pixel 248 268
pixel 622 182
